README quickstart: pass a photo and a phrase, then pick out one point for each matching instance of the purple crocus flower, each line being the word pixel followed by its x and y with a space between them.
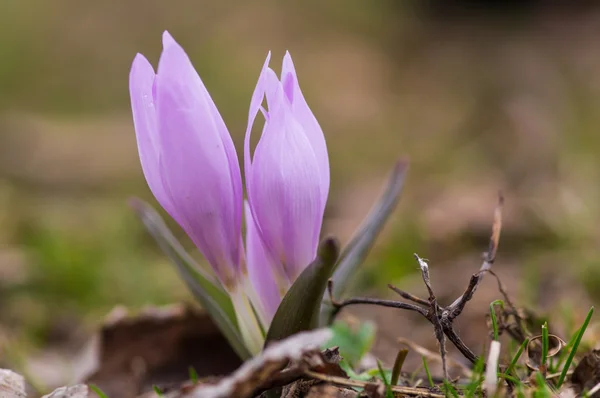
pixel 188 157
pixel 191 167
pixel 287 179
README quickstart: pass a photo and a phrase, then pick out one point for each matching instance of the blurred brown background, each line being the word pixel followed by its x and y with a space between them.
pixel 482 96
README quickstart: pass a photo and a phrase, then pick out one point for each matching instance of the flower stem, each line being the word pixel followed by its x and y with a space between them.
pixel 249 327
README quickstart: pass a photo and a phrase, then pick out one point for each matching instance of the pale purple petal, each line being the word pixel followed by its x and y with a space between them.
pixel 198 163
pixel 260 268
pixel 255 105
pixel 285 191
pixel 141 82
pixel 272 85
pixel 307 120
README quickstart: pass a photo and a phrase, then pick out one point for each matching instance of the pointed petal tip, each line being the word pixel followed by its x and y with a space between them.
pixel 167 40
pixel 140 61
pixel 267 60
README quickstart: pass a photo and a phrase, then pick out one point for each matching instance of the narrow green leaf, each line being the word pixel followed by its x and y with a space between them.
pixel 98 391
pixel 157 391
pixel 193 375
pixel 509 378
pixel 545 344
pixel 388 388
pixel 477 378
pixel 513 363
pixel 493 316
pixel 400 357
pixel 211 296
pixel 449 389
pixel 359 246
pixel 428 373
pixel 580 333
pixel 542 390
pixel 299 309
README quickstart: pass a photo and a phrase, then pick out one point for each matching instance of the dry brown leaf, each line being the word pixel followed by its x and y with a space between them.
pixel 587 372
pixel 157 347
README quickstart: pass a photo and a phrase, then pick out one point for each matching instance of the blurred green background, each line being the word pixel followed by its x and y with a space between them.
pixel 481 96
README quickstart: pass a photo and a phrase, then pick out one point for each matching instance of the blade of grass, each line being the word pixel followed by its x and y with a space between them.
pixel 400 357
pixel 545 344
pixel 515 359
pixel 193 375
pixel 567 349
pixel 476 378
pixel 579 335
pixel 449 389
pixel 388 388
pixel 427 372
pixel 504 376
pixel 98 391
pixel 493 316
pixel 542 391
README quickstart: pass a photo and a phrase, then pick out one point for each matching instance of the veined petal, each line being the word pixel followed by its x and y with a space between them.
pixel 261 269
pixel 141 82
pixel 198 162
pixel 307 120
pixel 285 194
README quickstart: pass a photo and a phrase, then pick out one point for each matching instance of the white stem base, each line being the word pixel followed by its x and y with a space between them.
pixel 249 327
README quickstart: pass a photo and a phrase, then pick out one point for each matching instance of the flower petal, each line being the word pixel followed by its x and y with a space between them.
pixel 255 104
pixel 285 191
pixel 198 162
pixel 141 82
pixel 260 267
pixel 307 119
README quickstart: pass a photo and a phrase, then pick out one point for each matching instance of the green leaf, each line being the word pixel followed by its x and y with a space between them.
pixel 211 296
pixel 354 342
pixel 346 367
pixel 449 389
pixel 428 373
pixel 98 391
pixel 382 374
pixel 579 334
pixel 359 246
pixel 516 357
pixel 299 309
pixel 545 344
pixel 493 316
pixel 193 375
pixel 400 357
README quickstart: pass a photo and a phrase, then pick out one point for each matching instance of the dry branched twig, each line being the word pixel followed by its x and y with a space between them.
pixel 441 318
pixel 411 391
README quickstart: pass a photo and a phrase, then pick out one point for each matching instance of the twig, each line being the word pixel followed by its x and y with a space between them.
pixel 434 314
pixel 338 305
pixel 488 259
pixel 419 349
pixel 408 296
pixel 413 391
pixel 441 318
pixel 522 331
